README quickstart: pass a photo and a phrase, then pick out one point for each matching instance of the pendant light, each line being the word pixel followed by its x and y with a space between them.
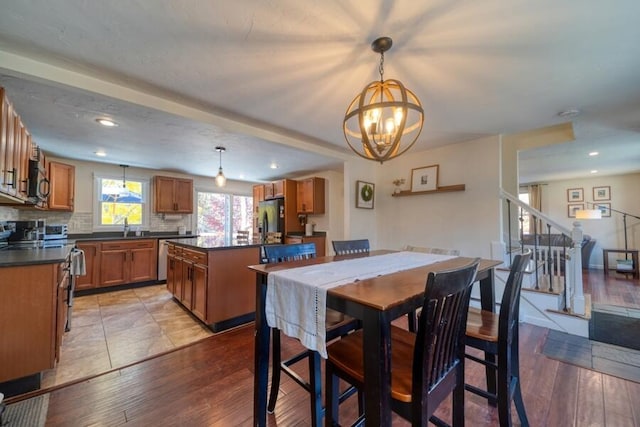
pixel 220 178
pixel 385 119
pixel 123 191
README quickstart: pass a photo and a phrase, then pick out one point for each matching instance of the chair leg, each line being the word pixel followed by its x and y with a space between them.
pixel 458 403
pixel 504 394
pixel 490 374
pixel 275 370
pixel 332 393
pixel 517 392
pixel 315 389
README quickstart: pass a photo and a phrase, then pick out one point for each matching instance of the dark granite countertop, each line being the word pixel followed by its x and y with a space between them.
pixel 211 243
pixel 118 236
pixel 14 258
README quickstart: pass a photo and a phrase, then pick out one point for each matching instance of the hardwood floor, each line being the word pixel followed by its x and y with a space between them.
pixel 210 383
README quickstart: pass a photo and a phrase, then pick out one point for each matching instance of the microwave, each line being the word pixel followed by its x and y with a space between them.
pixel 38 183
pixel 55 231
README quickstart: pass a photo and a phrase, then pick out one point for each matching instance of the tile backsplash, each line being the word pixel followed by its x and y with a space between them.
pixel 82 222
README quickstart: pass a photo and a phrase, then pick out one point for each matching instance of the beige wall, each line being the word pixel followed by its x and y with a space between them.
pixel 608 231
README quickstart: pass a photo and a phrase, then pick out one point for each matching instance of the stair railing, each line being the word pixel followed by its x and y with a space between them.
pixel 554 259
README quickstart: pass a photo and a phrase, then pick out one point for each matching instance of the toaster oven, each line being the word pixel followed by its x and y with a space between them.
pixel 55 231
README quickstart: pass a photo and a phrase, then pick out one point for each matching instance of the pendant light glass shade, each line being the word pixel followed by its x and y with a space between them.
pixel 385 119
pixel 221 180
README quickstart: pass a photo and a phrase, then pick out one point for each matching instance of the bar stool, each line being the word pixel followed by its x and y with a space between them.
pixel 497 336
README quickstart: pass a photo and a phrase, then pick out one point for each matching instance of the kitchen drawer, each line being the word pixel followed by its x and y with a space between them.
pixel 122 244
pixel 195 256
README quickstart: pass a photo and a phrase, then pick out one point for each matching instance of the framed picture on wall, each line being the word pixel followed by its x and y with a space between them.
pixel 604 208
pixel 573 207
pixel 601 193
pixel 575 195
pixel 424 178
pixel 365 194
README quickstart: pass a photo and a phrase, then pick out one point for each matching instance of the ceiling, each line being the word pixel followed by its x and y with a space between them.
pixel 271 80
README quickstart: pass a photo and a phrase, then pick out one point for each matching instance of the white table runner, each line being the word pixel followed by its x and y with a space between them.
pixel 296 300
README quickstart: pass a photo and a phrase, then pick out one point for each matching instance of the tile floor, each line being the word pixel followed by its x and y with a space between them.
pixel 118 328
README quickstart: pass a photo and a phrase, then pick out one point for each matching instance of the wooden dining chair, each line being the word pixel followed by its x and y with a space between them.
pixel 346 247
pixel 427 366
pixel 273 237
pixel 497 335
pixel 337 325
pixel 412 316
pixel 242 236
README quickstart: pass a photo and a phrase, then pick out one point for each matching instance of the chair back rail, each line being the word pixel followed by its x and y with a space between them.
pixel 290 252
pixel 345 247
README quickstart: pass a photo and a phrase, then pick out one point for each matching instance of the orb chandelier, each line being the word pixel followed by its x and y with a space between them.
pixel 385 119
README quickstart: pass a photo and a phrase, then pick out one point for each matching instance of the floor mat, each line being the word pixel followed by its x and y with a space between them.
pixel 27 413
pixel 601 357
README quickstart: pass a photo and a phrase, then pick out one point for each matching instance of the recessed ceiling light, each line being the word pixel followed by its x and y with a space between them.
pixel 100 153
pixel 106 122
pixel 273 166
pixel 593 153
pixel 594 171
pixel 569 113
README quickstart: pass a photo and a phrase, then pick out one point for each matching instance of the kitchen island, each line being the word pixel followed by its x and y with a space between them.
pixel 210 278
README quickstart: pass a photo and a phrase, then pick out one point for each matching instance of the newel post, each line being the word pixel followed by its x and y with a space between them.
pixel 577 294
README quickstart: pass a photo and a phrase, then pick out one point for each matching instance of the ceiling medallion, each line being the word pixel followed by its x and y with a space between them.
pixel 385 119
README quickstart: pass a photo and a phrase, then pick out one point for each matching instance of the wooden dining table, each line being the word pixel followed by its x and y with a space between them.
pixel 377 302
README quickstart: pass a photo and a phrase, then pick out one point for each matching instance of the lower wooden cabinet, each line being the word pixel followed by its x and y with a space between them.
pixel 128 261
pixel 92 265
pixel 28 319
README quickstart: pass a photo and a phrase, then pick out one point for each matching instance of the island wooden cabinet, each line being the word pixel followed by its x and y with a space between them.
pixel 214 284
pixel 92 266
pixel 173 195
pixel 128 261
pixel 62 186
pixel 310 197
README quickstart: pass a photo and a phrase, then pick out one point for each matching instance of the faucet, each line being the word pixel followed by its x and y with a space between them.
pixel 126 227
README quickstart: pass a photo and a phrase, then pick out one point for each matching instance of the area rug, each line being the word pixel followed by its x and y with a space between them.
pixel 601 357
pixel 27 413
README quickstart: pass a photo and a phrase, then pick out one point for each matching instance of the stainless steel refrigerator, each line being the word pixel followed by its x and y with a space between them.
pixel 270 217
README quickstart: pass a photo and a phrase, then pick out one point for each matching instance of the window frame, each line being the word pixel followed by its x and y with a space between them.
pixel 97 203
pixel 228 226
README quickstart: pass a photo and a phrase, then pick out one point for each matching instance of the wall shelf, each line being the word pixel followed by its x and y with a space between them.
pixel 444 189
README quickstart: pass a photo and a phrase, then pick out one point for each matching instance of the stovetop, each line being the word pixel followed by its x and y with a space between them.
pixel 32 244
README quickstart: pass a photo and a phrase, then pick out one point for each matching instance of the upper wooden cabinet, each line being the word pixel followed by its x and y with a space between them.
pixel 173 195
pixel 62 186
pixel 311 196
pixel 15 150
pixel 275 189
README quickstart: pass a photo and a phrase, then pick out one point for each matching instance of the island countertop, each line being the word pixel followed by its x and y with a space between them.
pixel 209 243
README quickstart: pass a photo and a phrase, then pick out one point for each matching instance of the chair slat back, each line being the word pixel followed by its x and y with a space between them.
pixel 345 247
pixel 439 345
pixel 242 236
pixel 291 252
pixel 510 304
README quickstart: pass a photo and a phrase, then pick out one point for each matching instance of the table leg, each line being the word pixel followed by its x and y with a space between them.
pixel 377 362
pixel 261 355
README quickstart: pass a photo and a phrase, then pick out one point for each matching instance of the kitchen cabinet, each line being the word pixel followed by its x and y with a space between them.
pixel 62 186
pixel 28 319
pixel 90 280
pixel 62 307
pixel 15 151
pixel 275 189
pixel 173 195
pixel 292 223
pixel 258 196
pixel 215 285
pixel 268 191
pixel 310 197
pixel 320 242
pixel 128 261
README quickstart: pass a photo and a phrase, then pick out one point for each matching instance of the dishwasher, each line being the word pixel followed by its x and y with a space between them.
pixel 162 259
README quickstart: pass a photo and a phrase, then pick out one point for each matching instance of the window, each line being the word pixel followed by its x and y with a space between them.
pixel 114 202
pixel 221 215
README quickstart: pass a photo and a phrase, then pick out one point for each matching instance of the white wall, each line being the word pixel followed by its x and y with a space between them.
pixel 608 231
pixel 468 220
